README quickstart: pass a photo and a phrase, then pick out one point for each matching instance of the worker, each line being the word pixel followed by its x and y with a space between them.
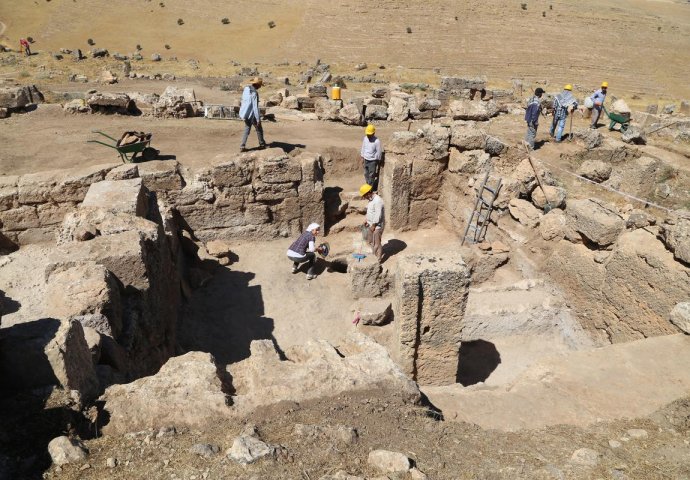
pixel 598 98
pixel 563 104
pixel 371 154
pixel 532 116
pixel 249 112
pixel 375 219
pixel 304 250
pixel 24 45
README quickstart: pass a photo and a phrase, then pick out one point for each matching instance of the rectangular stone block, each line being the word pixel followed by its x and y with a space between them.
pixel 19 218
pixel 126 196
pixel 280 170
pixel 231 170
pixel 395 190
pixel 53 214
pixel 430 299
pixel 37 187
pixel 74 183
pixel 423 213
pixel 161 175
pixel 267 192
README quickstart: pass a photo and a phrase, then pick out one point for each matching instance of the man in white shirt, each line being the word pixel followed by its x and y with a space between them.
pixel 374 222
pixel 371 153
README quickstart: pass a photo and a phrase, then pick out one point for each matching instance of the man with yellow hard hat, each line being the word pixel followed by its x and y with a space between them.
pixel 598 98
pixel 563 104
pixel 371 154
pixel 374 222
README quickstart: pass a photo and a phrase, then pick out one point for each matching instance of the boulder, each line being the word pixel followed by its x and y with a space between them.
pixel 218 248
pixel 386 461
pixel 317 90
pixel 374 311
pixel 634 135
pixel 248 449
pixel 639 219
pixel 99 53
pixel 466 136
pixel 676 237
pixel 620 107
pixel 680 316
pixel 589 137
pixel 376 112
pixel 553 225
pixel 524 212
pixel 555 195
pixel 107 77
pixel 186 392
pixel 494 147
pixel 328 109
pixel 176 102
pixel 398 109
pixel 110 103
pixel 76 106
pixel 126 196
pixel 472 110
pixel 290 102
pixel 65 450
pixel 155 57
pixel 161 176
pixel 597 222
pixel 595 170
pixel 468 162
pixel 14 98
pixel 350 115
pixel 315 370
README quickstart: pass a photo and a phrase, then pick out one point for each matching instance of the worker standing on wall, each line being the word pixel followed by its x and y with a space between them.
pixel 249 112
pixel 371 154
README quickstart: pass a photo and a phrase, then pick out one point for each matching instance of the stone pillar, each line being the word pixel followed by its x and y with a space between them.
pixel 430 299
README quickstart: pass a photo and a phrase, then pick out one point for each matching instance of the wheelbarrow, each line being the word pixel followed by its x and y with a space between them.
pixel 129 151
pixel 622 120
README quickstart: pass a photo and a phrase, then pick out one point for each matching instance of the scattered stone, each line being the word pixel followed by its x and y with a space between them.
pixel 555 197
pixel 205 450
pixel 653 109
pixel 416 474
pixel 620 107
pixel 595 170
pixel 123 172
pixel 350 115
pixel 77 77
pixel 590 138
pixel 676 237
pixel 65 450
pixel 248 449
pixel 77 105
pixel 598 222
pixel 317 90
pixel 615 444
pixel 585 457
pixel 375 311
pixel 680 316
pixel 473 110
pixel 634 135
pixel 669 109
pixel 99 53
pixel 111 462
pixel 360 66
pixel 524 212
pixel 155 57
pixel 14 98
pixel 339 433
pixel 639 219
pixel 107 77
pixel 218 248
pixel 398 109
pixel 494 146
pixel 389 462
pixel 637 433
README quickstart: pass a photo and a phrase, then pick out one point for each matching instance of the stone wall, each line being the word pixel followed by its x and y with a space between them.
pixel 430 298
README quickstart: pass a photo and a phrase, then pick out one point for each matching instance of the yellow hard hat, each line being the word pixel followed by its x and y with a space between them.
pixel 364 189
pixel 568 87
pixel 370 130
pixel 604 84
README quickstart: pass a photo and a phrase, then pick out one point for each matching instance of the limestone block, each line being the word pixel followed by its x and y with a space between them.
pixel 466 136
pixel 248 449
pixel 680 316
pixel 595 170
pixel 47 352
pixel 279 168
pixel 9 193
pixel 37 187
pixel 494 147
pixel 374 311
pixel 327 109
pixel 74 183
pixel 588 137
pixel 398 109
pixel 232 170
pixel 268 192
pixel 317 90
pixel 88 293
pixel 119 102
pixel 290 102
pixel 123 172
pixel 13 98
pixel 472 110
pixel 524 212
pixel 350 115
pixel 35 235
pixel 20 218
pixel 552 226
pixel 194 192
pixel 423 213
pixel 395 191
pixel 101 221
pixel 431 295
pixel 126 196
pixel 555 195
pixel 454 85
pixel 467 161
pixel 598 222
pixel 161 175
pixel 676 236
pixel 186 392
pixel 376 112
pixel 387 462
pixel 311 169
pixel 367 278
pixel 64 450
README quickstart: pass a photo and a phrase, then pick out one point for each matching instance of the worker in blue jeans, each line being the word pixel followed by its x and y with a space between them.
pixel 249 112
pixel 563 104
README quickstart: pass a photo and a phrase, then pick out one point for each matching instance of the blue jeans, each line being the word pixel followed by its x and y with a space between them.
pixel 558 126
pixel 259 132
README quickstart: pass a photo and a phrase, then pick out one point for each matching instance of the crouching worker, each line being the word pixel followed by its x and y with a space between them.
pixel 304 250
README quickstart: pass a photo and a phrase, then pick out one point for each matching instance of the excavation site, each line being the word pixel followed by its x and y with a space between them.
pixel 277 258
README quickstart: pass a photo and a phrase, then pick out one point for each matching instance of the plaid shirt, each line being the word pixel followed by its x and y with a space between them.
pixel 302 243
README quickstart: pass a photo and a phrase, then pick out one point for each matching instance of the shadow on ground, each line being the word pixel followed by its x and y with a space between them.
pixel 476 361
pixel 224 317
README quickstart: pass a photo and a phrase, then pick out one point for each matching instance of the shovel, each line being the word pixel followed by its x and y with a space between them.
pixel 547 206
pixel 570 134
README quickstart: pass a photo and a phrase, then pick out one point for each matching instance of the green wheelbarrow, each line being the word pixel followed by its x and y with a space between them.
pixel 615 118
pixel 129 151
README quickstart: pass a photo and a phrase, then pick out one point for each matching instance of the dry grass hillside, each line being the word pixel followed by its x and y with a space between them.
pixel 640 46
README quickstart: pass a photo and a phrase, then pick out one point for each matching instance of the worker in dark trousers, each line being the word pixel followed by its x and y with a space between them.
pixel 371 154
pixel 532 117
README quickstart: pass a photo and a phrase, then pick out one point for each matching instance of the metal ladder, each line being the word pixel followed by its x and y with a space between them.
pixel 479 219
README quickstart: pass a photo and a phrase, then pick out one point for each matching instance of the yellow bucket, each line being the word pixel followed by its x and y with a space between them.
pixel 335 93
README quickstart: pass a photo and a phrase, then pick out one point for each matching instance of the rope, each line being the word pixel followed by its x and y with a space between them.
pixel 606 187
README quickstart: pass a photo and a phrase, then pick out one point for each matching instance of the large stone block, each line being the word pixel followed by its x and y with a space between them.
pixel 232 170
pixel 277 167
pixel 328 109
pixel 676 236
pixel 13 98
pixel 9 193
pixel 367 278
pixel 74 183
pixel 468 162
pixel 269 192
pixel 430 299
pixel 47 352
pixel 126 196
pixel 473 110
pixel 423 213
pixel 161 176
pixel 88 293
pixel 20 218
pixel 395 190
pixel 455 85
pixel 37 187
pixel 597 222
pixel 466 136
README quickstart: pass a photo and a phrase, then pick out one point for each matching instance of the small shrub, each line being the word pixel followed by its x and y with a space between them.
pixel 550 7
pixel 408 29
pixel 658 29
pixel 91 42
pixel 456 18
pixel 167 47
pixel 225 21
pixel 523 6
pixel 224 87
pixel 24 74
pixel 162 5
pixel 180 21
pixel 139 49
pixel 271 24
